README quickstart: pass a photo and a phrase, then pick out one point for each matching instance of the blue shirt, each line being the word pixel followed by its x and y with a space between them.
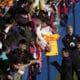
pixel 3 56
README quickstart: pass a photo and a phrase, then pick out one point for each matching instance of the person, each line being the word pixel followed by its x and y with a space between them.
pixel 12 36
pixel 63 9
pixel 70 43
pixel 29 33
pixel 47 37
pixel 65 68
pixel 21 54
pixel 38 24
pixel 22 58
pixel 42 30
pixel 75 56
pixel 5 64
pixel 70 39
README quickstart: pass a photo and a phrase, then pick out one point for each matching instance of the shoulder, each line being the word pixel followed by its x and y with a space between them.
pixel 76 35
pixel 65 37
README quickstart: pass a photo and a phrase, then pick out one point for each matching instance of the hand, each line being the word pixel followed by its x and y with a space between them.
pixel 21 67
pixel 34 61
pixel 48 48
pixel 9 77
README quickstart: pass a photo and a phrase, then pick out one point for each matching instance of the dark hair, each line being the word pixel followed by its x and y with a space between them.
pixel 53 7
pixel 78 42
pixel 39 17
pixel 23 41
pixel 64 49
pixel 43 12
pixel 8 19
pixel 30 24
pixel 46 20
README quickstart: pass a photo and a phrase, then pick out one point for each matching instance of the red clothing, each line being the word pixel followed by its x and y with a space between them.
pixel 63 8
pixel 72 1
pixel 34 20
pixel 39 55
pixel 52 20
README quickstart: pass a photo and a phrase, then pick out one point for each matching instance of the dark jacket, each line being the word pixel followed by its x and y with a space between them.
pixel 21 57
pixel 66 69
pixel 68 41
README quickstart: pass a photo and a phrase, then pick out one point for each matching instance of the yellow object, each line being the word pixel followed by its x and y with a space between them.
pixel 40 4
pixel 52 39
pixel 6 3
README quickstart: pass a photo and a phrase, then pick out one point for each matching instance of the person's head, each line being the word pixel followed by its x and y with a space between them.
pixel 45 22
pixel 30 25
pixel 38 20
pixel 32 41
pixel 70 30
pixel 9 20
pixel 65 52
pixel 43 13
pixel 22 44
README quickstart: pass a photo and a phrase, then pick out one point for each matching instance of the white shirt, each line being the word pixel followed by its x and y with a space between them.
pixel 41 32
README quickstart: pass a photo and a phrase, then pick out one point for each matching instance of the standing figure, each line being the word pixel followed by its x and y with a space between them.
pixel 65 68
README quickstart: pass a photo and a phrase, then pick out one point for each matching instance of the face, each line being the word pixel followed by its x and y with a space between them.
pixel 70 31
pixel 38 22
pixel 43 24
pixel 65 54
pixel 22 46
pixel 33 42
pixel 30 28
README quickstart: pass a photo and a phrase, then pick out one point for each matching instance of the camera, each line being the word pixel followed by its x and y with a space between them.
pixel 72 44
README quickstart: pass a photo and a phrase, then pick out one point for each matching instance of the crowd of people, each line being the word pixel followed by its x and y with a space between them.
pixel 23 24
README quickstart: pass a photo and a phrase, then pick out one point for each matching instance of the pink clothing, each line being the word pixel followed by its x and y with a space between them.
pixel 34 20
pixel 39 55
pixel 63 8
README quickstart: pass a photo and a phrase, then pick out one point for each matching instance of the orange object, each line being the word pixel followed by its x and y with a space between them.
pixel 52 39
pixel 6 3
